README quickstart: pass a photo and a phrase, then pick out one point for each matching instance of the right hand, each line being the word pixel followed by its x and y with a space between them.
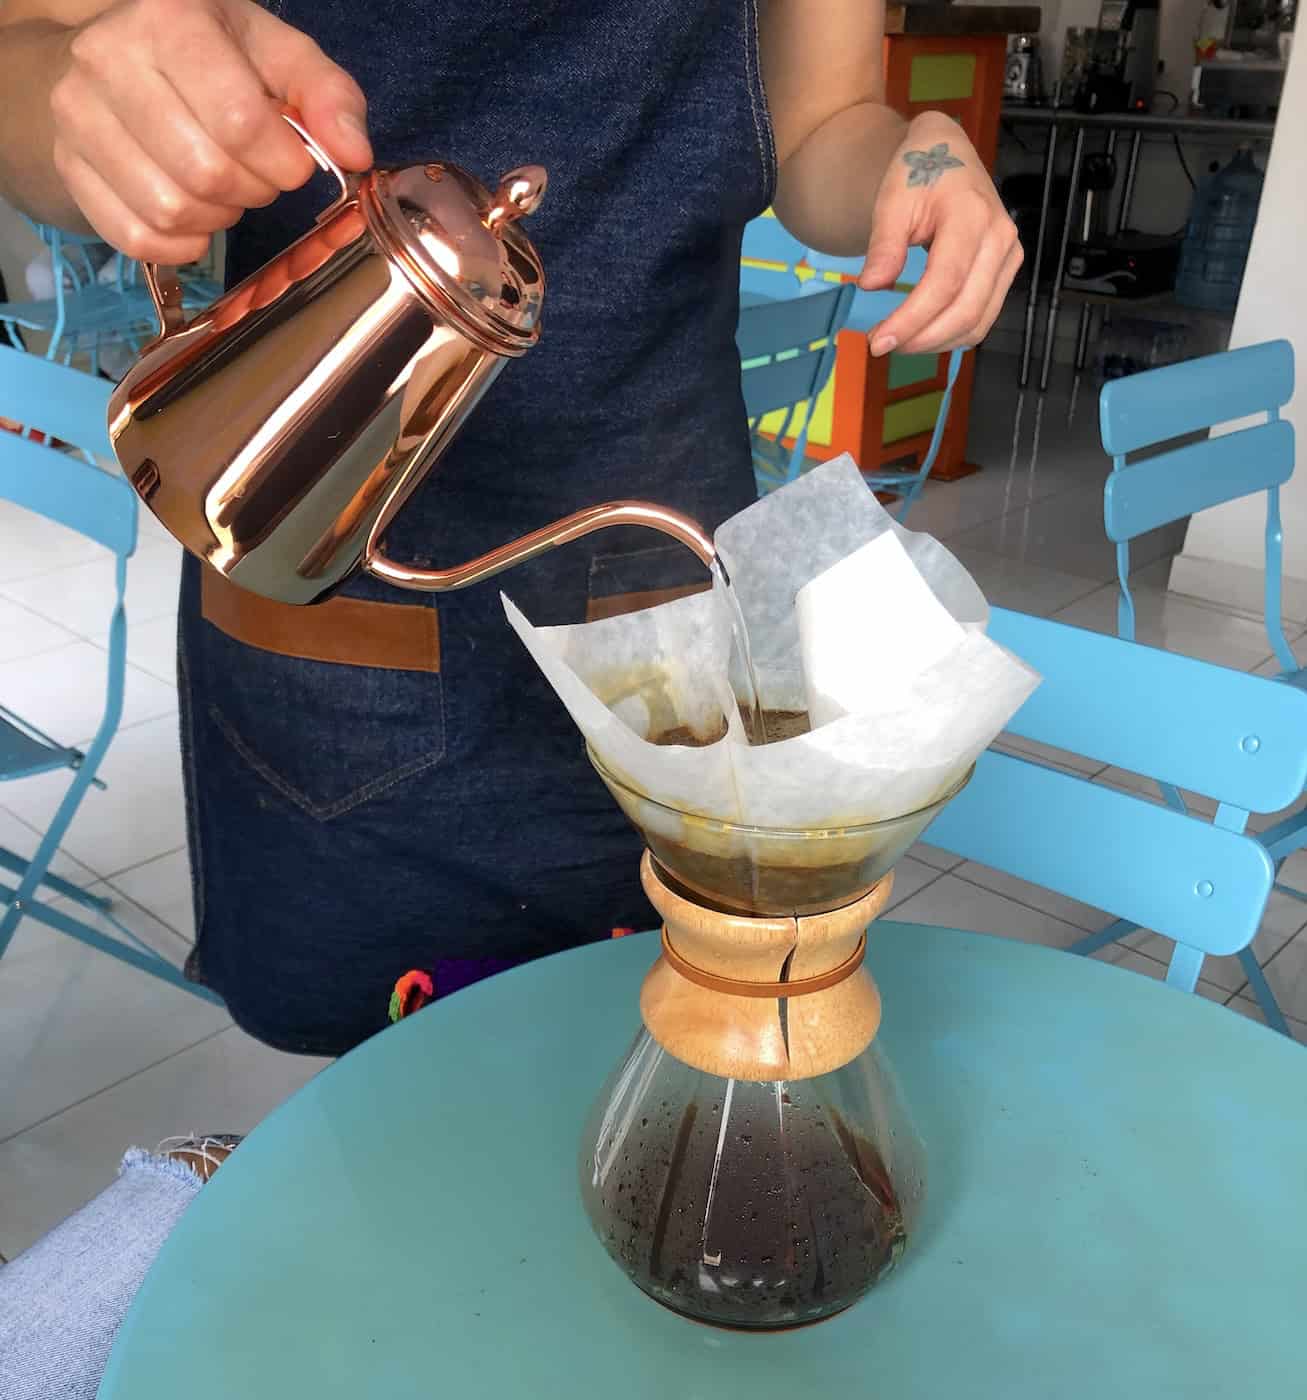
pixel 167 125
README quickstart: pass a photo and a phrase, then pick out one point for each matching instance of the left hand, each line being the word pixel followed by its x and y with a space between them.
pixel 937 193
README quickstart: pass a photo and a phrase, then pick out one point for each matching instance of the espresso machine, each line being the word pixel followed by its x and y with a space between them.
pixel 1112 66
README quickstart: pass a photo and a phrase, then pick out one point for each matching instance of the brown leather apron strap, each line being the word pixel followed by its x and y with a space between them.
pixel 347 631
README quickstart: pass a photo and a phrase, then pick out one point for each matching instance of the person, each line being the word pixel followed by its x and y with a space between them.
pixel 352 817
pixel 63 1299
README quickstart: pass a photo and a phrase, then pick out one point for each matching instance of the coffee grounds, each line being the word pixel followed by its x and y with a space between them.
pixel 692 739
pixel 779 724
pixel 805 1218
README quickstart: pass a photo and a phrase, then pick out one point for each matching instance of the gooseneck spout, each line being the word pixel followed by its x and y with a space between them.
pixel 572 527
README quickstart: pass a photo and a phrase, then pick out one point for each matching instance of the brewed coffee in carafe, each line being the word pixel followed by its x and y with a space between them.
pixel 751 1204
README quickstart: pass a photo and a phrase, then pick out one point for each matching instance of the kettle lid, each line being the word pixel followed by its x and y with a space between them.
pixel 461 246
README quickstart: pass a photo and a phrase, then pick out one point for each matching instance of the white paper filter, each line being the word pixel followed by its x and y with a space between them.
pixel 882 639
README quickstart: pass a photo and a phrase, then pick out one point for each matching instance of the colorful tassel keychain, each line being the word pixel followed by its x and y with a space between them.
pixel 412 992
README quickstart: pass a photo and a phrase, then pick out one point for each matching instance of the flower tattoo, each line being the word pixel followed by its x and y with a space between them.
pixel 925 167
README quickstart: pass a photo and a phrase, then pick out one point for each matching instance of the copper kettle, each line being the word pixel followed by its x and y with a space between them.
pixel 278 433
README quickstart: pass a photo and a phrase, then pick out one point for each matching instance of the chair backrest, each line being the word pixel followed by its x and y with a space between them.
pixel 73 407
pixel 768 283
pixel 913 269
pixel 1237 738
pixel 787 349
pixel 869 309
pixel 766 239
pixel 1159 406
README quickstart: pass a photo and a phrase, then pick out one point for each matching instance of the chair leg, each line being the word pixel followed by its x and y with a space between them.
pixel 1185 965
pixel 18 906
pixel 144 959
pixel 1262 991
pixel 16 864
pixel 39 865
pixel 1113 933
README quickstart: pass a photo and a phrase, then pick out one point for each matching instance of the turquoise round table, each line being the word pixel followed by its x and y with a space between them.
pixel 1117 1207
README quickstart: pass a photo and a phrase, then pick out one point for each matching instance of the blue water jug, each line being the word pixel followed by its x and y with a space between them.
pixel 1215 248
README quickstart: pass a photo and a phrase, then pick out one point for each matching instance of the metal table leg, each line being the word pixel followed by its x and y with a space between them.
pixel 1032 295
pixel 1055 293
pixel 1082 334
pixel 1128 189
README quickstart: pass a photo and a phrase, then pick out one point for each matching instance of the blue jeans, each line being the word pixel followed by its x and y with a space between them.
pixel 62 1301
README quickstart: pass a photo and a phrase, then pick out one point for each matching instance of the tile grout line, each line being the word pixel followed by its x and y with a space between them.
pixel 117 1083
pixel 935 875
pixel 1021 903
pixel 137 865
pixel 144 544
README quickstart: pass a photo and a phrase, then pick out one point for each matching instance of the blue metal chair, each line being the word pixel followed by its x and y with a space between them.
pixel 1145 411
pixel 83 311
pixel 87 310
pixel 869 309
pixel 787 352
pixel 1237 738
pixel 70 406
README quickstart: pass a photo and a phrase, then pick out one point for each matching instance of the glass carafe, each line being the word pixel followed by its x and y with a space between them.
pixel 750 1162
pixel 751 1204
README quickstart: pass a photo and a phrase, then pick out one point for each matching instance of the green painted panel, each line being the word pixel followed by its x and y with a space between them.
pixel 911 369
pixel 942 77
pixel 912 416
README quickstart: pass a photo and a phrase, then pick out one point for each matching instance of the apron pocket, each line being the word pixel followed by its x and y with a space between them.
pixel 327 735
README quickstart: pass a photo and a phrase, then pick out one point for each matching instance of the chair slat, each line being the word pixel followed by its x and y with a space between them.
pixel 1175 874
pixel 1234 737
pixel 1167 403
pixel 913 269
pixel 781 383
pixel 40 393
pixel 1175 484
pixel 66 489
pixel 797 321
pixel 767 284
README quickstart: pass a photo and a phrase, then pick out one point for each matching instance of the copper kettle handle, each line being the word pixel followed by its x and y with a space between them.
pixel 571 527
pixel 164 284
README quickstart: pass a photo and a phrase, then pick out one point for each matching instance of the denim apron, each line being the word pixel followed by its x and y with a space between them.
pixel 349 823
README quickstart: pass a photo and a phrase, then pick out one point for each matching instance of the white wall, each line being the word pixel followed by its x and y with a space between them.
pixel 1224 549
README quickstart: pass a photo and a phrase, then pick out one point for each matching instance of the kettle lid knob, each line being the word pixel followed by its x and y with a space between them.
pixel 519 193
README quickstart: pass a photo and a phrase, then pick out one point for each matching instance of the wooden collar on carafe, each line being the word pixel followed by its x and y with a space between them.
pixel 761 998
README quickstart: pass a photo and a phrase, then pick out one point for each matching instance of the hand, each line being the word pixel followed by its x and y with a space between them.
pixel 166 122
pixel 936 192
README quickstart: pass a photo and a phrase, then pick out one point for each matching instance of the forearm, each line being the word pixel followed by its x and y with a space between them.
pixel 826 190
pixel 32 54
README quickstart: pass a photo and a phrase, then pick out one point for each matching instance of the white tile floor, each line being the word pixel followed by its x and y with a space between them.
pixel 93 1056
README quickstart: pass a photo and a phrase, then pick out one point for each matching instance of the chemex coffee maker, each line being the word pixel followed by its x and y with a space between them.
pixel 750 1162
pixel 279 432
